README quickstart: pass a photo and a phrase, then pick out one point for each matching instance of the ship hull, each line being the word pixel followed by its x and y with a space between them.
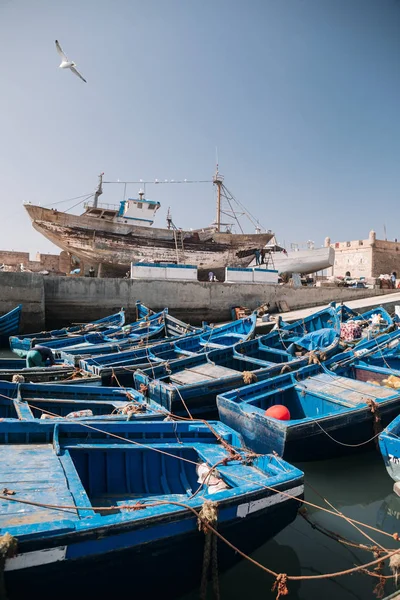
pixel 303 261
pixel 106 242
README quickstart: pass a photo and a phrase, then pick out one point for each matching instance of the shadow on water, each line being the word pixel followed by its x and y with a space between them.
pixel 358 486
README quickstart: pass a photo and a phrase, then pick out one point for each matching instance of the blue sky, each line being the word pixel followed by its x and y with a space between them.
pixel 301 97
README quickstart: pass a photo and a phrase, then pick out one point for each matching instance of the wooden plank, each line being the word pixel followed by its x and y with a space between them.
pixel 344 389
pixel 35 473
pixel 206 372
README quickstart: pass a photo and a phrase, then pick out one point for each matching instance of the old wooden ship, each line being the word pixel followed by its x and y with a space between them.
pixel 118 236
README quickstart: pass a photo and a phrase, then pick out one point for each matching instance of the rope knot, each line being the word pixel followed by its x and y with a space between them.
pixel 377 425
pixel 249 377
pixel 394 564
pixel 143 389
pixel 312 358
pixel 280 585
pixel 207 515
pixel 285 369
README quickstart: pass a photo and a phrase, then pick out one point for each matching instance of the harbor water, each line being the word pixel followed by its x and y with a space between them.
pixel 360 488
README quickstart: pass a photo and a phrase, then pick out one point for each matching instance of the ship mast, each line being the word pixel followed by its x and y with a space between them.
pixel 99 190
pixel 217 180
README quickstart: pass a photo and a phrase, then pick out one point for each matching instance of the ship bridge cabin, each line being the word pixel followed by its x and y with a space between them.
pixel 139 212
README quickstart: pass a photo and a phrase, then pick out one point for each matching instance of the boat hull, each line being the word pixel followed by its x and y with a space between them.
pixel 390 449
pixel 176 559
pixel 98 241
pixel 330 414
pixel 310 441
pixel 132 517
pixel 303 261
pixel 9 324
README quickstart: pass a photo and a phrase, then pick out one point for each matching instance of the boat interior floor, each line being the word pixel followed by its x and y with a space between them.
pixel 34 473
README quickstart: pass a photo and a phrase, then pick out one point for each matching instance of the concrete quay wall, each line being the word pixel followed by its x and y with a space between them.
pixel 53 301
pixel 26 289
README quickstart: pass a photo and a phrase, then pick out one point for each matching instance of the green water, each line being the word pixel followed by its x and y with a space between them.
pixel 7 353
pixel 360 487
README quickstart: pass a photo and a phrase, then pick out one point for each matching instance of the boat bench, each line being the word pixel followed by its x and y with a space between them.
pixel 341 390
pixel 201 373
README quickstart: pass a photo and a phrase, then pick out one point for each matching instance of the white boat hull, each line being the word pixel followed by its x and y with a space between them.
pixel 303 261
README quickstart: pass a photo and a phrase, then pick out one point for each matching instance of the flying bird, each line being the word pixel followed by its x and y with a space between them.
pixel 67 64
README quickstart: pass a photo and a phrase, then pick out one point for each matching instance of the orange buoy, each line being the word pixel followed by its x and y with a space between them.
pixel 278 411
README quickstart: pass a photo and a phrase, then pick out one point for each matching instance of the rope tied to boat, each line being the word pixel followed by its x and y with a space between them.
pixel 313 358
pixel 285 369
pixel 249 377
pixel 208 516
pixel 131 409
pixel 143 389
pixel 377 424
pixel 379 589
pixel 394 565
pixel 280 585
pixel 8 549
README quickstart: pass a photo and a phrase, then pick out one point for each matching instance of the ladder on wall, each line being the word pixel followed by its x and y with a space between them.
pixel 179 247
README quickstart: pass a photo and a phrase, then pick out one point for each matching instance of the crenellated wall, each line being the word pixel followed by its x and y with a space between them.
pixel 367 258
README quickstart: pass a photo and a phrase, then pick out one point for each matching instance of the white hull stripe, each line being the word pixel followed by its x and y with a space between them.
pixel 35 558
pixel 250 507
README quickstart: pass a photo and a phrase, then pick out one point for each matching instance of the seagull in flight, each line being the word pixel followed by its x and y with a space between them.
pixel 67 64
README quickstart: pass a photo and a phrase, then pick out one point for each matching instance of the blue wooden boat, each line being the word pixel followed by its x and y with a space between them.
pixel 230 334
pixel 193 383
pixel 115 351
pixel 28 402
pixel 135 333
pixel 9 367
pixel 132 496
pixel 318 333
pixel 382 351
pixel 142 311
pixel 374 322
pixel 63 391
pixel 330 413
pixel 176 328
pixel 389 444
pixel 171 327
pixel 120 367
pixel 22 344
pixel 210 338
pixel 9 324
pixel 113 368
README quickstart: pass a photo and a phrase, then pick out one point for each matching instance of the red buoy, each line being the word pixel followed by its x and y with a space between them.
pixel 279 412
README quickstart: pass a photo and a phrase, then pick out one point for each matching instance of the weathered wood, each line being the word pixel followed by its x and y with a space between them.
pixel 200 373
pixel 345 389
